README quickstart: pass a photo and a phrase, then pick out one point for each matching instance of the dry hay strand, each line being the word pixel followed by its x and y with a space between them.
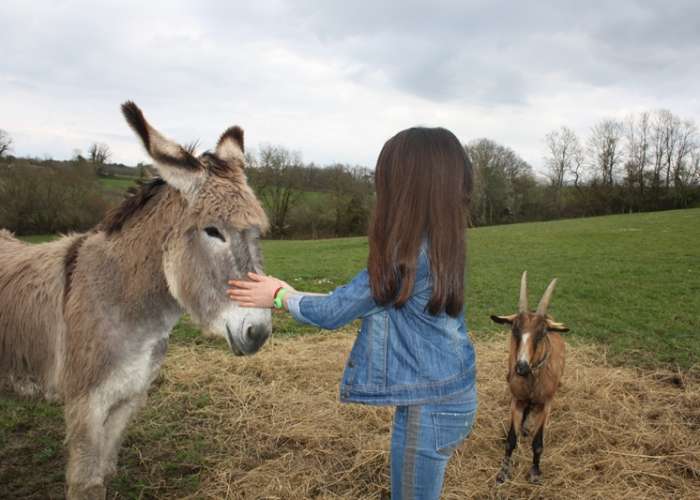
pixel 270 426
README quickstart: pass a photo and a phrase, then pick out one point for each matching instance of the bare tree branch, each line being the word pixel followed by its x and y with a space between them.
pixel 5 142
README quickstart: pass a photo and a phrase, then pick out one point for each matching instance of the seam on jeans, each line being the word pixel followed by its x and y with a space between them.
pixel 409 459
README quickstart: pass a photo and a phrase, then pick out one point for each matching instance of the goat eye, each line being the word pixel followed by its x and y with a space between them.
pixel 212 232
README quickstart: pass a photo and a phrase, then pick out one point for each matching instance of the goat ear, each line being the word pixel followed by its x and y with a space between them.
pixel 553 326
pixel 504 319
pixel 177 166
pixel 230 146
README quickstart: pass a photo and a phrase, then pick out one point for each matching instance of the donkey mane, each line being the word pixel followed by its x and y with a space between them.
pixel 85 319
pixel 136 199
pixel 69 262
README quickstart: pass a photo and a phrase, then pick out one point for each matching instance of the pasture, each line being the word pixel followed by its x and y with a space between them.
pixel 628 282
pixel 625 422
pixel 117 185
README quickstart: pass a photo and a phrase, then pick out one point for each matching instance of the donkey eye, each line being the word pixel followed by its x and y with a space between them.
pixel 212 232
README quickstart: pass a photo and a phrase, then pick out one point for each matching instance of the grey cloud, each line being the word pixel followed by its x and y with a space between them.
pixel 212 60
pixel 487 52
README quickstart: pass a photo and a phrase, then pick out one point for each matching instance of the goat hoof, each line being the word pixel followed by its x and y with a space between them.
pixel 535 476
pixel 503 476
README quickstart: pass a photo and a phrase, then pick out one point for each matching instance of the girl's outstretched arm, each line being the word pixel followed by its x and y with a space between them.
pixel 328 311
pixel 258 292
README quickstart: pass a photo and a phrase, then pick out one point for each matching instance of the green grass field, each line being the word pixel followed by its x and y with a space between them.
pixel 630 282
pixel 117 185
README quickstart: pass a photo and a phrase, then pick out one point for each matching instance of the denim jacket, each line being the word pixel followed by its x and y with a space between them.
pixel 402 356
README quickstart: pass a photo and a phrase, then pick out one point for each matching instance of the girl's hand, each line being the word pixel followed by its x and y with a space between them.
pixel 258 292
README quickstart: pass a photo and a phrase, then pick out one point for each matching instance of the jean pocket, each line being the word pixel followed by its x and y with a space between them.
pixel 451 429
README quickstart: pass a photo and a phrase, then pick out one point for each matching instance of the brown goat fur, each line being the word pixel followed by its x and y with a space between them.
pixel 535 366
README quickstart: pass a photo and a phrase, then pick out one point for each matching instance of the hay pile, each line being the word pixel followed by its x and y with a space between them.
pixel 271 427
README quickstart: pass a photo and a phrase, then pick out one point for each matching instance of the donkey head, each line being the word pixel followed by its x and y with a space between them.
pixel 217 237
pixel 529 329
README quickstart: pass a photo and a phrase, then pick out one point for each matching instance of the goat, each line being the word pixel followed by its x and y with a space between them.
pixel 535 367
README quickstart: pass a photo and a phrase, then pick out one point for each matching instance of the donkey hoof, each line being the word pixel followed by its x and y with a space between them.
pixel 535 476
pixel 93 492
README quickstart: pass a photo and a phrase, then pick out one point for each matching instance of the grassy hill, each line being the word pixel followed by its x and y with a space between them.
pixel 631 282
pixel 117 185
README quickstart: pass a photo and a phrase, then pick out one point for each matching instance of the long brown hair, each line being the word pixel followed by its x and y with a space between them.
pixel 423 180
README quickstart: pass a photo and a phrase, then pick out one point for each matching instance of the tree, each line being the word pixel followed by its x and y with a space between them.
pixel 638 145
pixel 564 157
pixel 686 169
pixel 5 142
pixel 604 149
pixel 686 145
pixel 501 181
pixel 99 154
pixel 276 180
pixel 49 198
pixel 351 189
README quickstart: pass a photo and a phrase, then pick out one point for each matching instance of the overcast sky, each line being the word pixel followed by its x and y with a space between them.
pixel 335 79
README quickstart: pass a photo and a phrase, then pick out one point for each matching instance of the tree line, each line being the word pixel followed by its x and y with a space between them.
pixel 648 161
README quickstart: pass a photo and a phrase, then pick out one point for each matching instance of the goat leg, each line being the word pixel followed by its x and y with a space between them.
pixel 523 427
pixel 517 409
pixel 506 466
pixel 537 447
pixel 538 441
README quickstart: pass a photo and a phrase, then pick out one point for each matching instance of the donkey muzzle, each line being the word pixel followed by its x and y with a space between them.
pixel 255 337
pixel 252 339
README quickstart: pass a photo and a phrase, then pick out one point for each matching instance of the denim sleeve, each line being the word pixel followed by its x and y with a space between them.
pixel 336 309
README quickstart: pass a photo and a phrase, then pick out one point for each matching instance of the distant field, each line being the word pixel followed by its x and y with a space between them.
pixel 117 185
pixel 631 282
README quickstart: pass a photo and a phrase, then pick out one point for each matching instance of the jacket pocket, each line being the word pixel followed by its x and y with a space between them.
pixel 451 429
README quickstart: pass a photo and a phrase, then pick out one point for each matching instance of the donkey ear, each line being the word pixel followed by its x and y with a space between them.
pixel 553 326
pixel 230 146
pixel 175 164
pixel 504 319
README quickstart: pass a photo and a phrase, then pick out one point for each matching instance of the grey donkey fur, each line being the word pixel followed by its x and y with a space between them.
pixel 85 319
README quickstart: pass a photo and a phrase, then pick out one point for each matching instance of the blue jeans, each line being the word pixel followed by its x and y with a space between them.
pixel 423 439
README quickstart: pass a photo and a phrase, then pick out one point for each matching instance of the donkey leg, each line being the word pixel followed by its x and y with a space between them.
pixel 115 425
pixel 516 417
pixel 540 418
pixel 84 439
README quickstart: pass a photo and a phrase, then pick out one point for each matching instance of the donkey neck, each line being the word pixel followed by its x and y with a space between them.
pixel 136 251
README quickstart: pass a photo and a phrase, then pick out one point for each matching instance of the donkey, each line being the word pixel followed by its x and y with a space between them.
pixel 85 319
pixel 535 367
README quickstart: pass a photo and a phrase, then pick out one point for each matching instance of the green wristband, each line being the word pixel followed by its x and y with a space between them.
pixel 278 301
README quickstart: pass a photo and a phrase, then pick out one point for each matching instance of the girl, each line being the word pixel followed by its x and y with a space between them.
pixel 412 351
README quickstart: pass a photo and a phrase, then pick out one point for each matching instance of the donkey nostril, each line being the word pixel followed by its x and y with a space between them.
pixel 257 333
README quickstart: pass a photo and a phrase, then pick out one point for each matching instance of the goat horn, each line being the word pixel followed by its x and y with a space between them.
pixel 544 302
pixel 522 305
